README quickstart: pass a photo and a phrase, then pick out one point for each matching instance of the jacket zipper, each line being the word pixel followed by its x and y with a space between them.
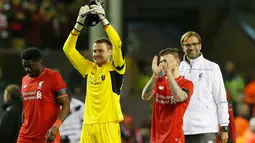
pixel 190 69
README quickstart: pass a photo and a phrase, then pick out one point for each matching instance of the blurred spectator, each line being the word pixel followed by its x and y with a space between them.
pixel 249 92
pixel 48 34
pixel 34 24
pixel 17 21
pixel 234 83
pixel 145 130
pixel 70 130
pixel 241 121
pixel 129 134
pixel 61 24
pixel 11 120
pixel 4 33
pixel 249 135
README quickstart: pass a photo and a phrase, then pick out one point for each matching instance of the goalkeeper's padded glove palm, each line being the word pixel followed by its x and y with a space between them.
pixel 84 11
pixel 99 10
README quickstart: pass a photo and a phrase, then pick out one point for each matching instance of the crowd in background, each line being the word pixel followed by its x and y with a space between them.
pixel 41 23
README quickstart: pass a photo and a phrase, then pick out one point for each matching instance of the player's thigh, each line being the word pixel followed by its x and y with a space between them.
pixel 108 133
pixel 86 136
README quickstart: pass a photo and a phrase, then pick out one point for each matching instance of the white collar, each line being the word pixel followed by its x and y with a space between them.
pixel 194 61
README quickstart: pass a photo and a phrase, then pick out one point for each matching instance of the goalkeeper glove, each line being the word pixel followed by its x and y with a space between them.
pixel 99 10
pixel 84 11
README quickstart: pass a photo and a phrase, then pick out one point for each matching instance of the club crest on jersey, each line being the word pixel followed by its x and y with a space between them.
pixel 103 77
pixel 161 87
pixel 39 95
pixel 200 76
pixel 40 85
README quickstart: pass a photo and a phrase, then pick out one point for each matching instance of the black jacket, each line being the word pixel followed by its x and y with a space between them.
pixel 11 121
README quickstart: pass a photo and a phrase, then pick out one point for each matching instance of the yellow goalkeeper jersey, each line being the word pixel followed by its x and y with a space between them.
pixel 104 83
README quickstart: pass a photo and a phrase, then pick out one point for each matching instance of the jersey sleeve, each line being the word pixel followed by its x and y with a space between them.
pixel 188 88
pixel 58 84
pixel 78 61
pixel 117 51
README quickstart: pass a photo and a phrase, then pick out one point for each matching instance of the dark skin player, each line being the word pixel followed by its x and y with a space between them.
pixel 35 68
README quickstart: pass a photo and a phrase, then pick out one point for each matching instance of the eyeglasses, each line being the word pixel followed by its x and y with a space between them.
pixel 188 45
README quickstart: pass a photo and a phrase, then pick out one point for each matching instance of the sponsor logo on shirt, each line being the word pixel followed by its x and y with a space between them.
pixel 32 95
pixel 97 80
pixel 162 99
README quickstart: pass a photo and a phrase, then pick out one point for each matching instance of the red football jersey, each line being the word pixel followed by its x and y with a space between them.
pixel 40 105
pixel 167 120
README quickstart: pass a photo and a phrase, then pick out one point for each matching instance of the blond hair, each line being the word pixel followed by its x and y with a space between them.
pixel 189 34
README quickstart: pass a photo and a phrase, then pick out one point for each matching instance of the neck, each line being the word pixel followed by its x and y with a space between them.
pixel 41 69
pixel 188 58
pixel 100 65
pixel 176 74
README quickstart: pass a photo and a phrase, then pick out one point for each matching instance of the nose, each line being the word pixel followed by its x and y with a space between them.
pixel 192 47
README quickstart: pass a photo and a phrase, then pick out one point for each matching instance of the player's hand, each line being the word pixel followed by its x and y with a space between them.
pixel 98 9
pixel 224 137
pixel 51 134
pixel 84 11
pixel 155 68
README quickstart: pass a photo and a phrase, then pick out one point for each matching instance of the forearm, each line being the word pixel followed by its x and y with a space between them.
pixel 64 112
pixel 223 113
pixel 147 92
pixel 178 93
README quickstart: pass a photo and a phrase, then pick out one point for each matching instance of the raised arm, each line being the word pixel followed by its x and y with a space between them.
pixel 117 53
pixel 148 90
pixel 79 62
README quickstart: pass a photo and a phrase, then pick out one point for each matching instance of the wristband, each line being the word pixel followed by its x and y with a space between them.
pixel 58 123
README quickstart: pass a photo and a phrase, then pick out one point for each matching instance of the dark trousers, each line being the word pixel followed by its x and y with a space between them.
pixel 201 138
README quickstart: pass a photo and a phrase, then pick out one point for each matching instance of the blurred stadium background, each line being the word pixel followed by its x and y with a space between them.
pixel 227 28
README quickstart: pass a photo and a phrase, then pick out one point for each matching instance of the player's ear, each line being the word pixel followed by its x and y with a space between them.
pixel 110 51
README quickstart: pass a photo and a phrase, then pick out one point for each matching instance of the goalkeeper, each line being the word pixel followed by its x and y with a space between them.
pixel 103 79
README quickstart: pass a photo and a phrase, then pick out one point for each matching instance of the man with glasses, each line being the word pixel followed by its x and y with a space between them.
pixel 207 113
